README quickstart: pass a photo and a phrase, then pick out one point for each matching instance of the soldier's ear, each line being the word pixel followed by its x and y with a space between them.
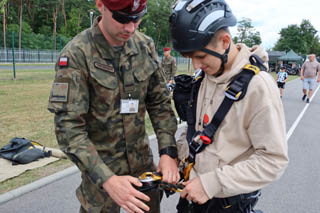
pixel 99 5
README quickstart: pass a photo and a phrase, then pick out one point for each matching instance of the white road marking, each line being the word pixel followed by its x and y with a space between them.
pixel 296 122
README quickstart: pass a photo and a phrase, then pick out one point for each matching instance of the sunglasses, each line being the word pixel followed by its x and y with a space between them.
pixel 125 18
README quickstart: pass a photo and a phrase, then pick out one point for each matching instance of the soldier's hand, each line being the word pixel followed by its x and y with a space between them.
pixel 125 195
pixel 169 169
pixel 193 191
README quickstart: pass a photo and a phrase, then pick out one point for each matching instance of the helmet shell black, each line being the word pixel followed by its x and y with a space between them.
pixel 194 22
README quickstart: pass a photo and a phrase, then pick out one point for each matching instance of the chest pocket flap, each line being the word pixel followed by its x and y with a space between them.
pixel 104 74
pixel 145 69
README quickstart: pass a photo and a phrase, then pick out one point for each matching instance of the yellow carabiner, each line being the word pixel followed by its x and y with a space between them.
pixel 153 175
pixel 187 170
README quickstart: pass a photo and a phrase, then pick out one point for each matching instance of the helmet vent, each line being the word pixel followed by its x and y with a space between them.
pixel 211 18
pixel 194 4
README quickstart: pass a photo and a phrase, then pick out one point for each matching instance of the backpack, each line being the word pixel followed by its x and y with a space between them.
pixel 22 151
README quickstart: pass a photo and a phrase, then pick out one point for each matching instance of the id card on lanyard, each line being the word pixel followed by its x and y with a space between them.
pixel 129 106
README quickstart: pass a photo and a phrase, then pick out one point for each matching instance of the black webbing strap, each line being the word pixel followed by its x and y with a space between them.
pixel 235 91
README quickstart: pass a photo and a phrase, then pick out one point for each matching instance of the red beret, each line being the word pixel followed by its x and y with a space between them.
pixel 166 49
pixel 130 6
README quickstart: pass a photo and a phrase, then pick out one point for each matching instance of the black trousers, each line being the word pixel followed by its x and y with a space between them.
pixel 243 203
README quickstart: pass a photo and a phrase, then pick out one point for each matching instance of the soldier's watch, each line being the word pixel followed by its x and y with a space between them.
pixel 170 150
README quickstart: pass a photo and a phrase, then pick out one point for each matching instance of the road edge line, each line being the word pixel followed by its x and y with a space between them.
pixel 296 122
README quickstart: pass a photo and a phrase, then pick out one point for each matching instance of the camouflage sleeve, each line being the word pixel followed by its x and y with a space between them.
pixel 173 68
pixel 159 108
pixel 69 100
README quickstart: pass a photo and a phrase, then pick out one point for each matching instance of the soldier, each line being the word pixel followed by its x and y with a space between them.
pixel 236 133
pixel 100 75
pixel 169 65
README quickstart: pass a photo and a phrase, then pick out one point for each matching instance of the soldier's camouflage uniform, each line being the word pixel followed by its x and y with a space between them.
pixel 85 98
pixel 169 67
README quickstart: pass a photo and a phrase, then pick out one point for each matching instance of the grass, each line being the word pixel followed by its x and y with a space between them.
pixel 23 113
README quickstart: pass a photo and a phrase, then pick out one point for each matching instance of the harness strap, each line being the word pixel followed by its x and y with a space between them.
pixel 235 91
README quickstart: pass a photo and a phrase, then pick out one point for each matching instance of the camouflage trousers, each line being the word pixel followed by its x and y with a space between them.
pixel 96 200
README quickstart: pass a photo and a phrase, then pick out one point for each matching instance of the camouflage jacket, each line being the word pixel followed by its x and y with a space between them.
pixel 170 67
pixel 90 82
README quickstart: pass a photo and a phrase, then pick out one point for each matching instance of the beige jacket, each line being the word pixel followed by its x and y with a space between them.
pixel 249 149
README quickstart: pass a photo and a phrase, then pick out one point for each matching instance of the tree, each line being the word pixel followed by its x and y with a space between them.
pixel 247 34
pixel 20 25
pixel 3 10
pixel 156 23
pixel 301 39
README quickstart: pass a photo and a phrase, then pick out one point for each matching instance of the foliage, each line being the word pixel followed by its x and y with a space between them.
pixel 73 16
pixel 302 39
pixel 247 34
pixel 156 22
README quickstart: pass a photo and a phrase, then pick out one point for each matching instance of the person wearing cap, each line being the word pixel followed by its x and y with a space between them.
pixel 248 150
pixel 169 65
pixel 106 79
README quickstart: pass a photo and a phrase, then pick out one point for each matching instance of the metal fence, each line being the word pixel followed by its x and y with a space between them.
pixel 36 56
pixel 28 56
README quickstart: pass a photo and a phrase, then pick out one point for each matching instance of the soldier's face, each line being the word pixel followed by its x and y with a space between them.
pixel 115 32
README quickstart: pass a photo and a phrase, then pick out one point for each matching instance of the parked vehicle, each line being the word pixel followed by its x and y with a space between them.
pixel 292 70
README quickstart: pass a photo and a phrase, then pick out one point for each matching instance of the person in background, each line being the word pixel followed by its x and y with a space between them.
pixel 169 65
pixel 248 150
pixel 308 76
pixel 282 78
pixel 99 75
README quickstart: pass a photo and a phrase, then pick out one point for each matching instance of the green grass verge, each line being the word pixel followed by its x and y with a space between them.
pixel 23 113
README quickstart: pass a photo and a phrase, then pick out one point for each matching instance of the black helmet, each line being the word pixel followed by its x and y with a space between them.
pixel 194 22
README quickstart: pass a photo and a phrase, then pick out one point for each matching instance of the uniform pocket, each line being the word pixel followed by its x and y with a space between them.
pixel 144 70
pixel 103 88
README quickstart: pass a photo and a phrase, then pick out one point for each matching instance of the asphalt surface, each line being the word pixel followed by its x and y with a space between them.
pixel 27 67
pixel 297 191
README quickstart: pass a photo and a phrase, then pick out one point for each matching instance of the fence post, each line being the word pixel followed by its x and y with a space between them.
pixel 13 62
pixel 7 52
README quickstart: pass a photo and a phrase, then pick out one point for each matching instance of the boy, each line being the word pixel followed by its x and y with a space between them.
pixel 282 78
pixel 248 149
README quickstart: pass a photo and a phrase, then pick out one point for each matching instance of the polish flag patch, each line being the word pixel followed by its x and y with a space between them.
pixel 63 61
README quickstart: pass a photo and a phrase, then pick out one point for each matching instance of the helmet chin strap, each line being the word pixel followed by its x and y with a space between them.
pixel 223 57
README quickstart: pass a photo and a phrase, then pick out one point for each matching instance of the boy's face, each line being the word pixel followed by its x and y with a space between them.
pixel 208 63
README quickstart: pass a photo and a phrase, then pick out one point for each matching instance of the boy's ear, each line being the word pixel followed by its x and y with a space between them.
pixel 226 40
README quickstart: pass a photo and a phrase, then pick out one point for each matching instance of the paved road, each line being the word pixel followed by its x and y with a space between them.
pixel 298 190
pixel 27 67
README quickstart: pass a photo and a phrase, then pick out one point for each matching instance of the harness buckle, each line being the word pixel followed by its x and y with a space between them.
pixel 234 90
pixel 253 68
pixel 193 145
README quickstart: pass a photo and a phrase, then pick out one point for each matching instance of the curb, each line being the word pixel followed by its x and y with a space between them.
pixel 37 184
pixel 49 179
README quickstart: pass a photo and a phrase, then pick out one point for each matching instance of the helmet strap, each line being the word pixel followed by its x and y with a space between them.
pixel 223 57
